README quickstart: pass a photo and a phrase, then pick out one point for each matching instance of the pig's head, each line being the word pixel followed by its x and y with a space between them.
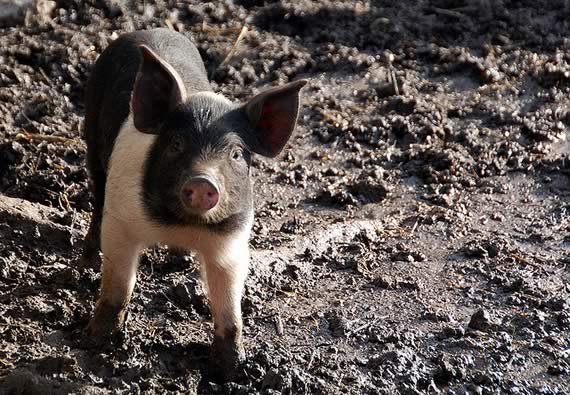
pixel 197 171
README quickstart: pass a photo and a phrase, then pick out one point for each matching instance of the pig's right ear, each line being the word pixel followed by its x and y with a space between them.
pixel 157 90
pixel 273 115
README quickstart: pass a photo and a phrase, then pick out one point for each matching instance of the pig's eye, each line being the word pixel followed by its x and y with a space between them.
pixel 237 154
pixel 177 145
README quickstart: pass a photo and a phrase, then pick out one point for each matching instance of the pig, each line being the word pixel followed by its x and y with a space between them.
pixel 169 162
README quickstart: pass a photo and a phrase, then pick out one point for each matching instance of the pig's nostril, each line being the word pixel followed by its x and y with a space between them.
pixel 187 193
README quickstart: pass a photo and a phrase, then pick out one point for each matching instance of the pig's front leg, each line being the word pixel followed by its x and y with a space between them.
pixel 226 269
pixel 120 261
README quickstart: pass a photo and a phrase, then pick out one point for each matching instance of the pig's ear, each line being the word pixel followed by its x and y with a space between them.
pixel 157 90
pixel 273 115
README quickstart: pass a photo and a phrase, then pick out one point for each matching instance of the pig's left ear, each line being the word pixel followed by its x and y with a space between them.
pixel 273 115
pixel 157 90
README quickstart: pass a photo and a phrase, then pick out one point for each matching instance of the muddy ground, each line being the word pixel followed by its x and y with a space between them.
pixel 413 238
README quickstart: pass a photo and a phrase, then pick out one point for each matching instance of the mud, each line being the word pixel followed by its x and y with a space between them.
pixel 413 238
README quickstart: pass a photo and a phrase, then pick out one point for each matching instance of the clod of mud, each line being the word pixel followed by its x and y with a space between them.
pixel 485 248
pixel 480 320
pixel 190 295
pixel 359 192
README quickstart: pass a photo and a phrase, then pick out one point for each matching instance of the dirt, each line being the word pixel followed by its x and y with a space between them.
pixel 413 238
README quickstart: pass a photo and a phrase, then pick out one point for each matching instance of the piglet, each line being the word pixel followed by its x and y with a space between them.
pixel 169 162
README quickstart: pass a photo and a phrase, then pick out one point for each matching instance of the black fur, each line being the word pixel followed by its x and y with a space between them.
pixel 108 92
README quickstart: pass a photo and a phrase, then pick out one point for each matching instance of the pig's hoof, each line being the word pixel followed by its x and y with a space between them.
pixel 225 358
pixel 101 340
pixel 102 333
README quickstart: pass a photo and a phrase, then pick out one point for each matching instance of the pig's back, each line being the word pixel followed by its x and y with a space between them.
pixel 108 93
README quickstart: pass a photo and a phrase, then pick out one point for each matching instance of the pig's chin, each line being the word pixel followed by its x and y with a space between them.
pixel 212 216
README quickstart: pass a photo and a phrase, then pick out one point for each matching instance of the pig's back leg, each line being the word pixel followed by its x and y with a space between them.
pixel 91 131
pixel 92 242
pixel 120 260
pixel 225 264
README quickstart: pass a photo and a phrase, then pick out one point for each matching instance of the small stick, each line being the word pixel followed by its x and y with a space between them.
pixel 169 24
pixel 414 227
pixel 311 359
pixel 43 73
pixel 64 202
pixel 367 325
pixel 50 139
pixel 450 13
pixel 278 324
pixel 232 50
pixel 395 82
pixel 391 74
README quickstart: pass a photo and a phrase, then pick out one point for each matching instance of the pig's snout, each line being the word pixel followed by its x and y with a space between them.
pixel 201 193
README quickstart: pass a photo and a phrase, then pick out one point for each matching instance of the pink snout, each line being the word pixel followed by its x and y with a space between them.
pixel 200 193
